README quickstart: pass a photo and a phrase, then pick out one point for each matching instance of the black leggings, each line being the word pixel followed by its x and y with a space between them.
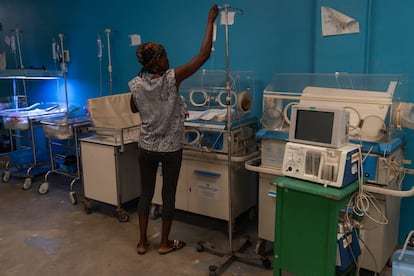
pixel 171 164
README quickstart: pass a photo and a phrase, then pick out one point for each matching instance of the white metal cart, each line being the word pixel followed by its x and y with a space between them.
pixel 110 167
pixel 63 135
pixel 110 173
pixel 29 150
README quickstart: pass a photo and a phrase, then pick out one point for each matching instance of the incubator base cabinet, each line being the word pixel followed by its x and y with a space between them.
pixel 267 207
pixel 109 175
pixel 203 186
pixel 266 204
pixel 381 240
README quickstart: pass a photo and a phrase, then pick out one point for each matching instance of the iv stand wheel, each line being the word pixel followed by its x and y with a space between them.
pixel 73 198
pixel 200 247
pixel 43 188
pixel 27 183
pixel 122 215
pixel 6 176
pixel 212 270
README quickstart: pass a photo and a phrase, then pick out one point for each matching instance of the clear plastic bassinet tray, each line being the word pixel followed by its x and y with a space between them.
pixel 19 118
pixel 62 127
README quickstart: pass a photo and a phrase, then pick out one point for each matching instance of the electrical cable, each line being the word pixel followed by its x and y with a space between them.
pixel 352 127
pixel 372 256
pixel 361 202
pixel 380 133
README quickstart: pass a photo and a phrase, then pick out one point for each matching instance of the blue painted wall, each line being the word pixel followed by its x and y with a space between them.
pixel 272 36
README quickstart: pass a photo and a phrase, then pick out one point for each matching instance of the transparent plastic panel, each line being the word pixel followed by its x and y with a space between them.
pixel 209 95
pixel 205 94
pixel 371 100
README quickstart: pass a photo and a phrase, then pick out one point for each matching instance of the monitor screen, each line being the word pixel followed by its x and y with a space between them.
pixel 316 126
pixel 319 126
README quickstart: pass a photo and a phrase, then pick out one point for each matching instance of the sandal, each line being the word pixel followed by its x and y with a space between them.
pixel 142 249
pixel 175 245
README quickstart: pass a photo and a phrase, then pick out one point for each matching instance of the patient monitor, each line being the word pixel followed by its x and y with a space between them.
pixel 335 167
pixel 320 126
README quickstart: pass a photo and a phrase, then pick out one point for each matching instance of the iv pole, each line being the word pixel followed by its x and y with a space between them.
pixel 108 31
pixel 229 144
pixel 20 65
pixel 231 255
pixel 63 67
pixel 100 46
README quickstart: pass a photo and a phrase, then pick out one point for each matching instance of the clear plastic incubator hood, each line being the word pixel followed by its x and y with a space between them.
pixel 378 104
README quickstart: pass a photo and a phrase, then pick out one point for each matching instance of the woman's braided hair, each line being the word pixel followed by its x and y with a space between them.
pixel 148 55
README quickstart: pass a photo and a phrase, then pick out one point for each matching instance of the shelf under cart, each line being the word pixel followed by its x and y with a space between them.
pixel 63 134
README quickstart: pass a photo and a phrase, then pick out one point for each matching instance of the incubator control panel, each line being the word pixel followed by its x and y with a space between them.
pixel 331 167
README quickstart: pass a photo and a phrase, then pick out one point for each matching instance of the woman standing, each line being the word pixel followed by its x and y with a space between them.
pixel 155 95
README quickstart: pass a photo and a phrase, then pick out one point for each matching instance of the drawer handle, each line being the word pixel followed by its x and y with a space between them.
pixel 211 174
pixel 271 193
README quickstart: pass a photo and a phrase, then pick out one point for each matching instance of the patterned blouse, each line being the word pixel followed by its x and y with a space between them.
pixel 162 112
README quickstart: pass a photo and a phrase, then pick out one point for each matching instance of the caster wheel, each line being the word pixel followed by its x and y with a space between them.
pixel 6 176
pixel 73 198
pixel 200 248
pixel 27 183
pixel 123 216
pixel 260 247
pixel 87 206
pixel 212 269
pixel 44 188
pixel 266 263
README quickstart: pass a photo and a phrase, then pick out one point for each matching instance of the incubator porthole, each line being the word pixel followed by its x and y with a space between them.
pixel 373 128
pixel 286 111
pixel 244 101
pixel 198 97
pixel 221 98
